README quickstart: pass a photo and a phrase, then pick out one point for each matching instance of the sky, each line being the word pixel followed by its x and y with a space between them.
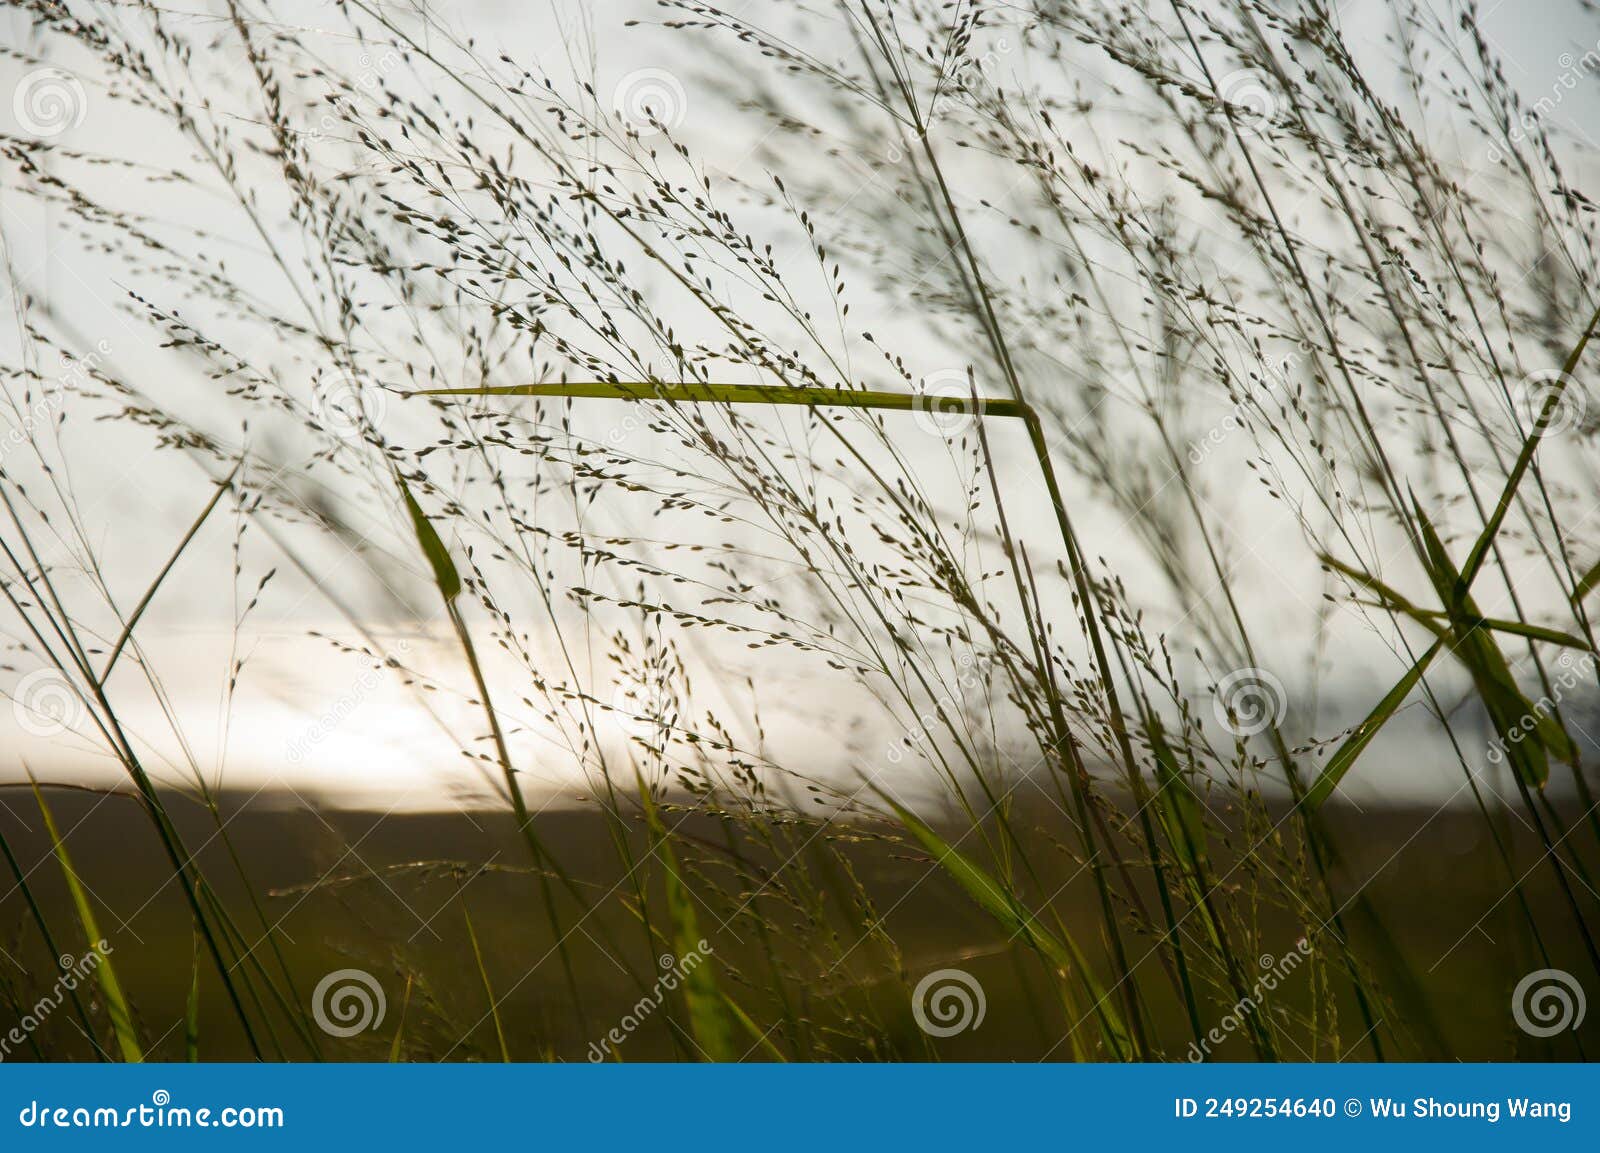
pixel 308 720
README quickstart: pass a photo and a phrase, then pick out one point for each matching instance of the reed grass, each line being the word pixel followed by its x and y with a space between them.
pixel 1166 308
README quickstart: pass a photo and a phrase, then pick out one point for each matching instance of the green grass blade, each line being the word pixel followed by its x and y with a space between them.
pixel 763 1037
pixel 1341 761
pixel 22 886
pixel 1524 629
pixel 444 569
pixel 1388 598
pixel 1509 710
pixel 1547 411
pixel 1179 809
pixel 448 580
pixel 1535 633
pixel 1586 584
pixel 994 898
pixel 488 990
pixel 1003 905
pixel 693 392
pixel 709 1017
pixel 396 1046
pixel 223 486
pixel 191 1015
pixel 105 972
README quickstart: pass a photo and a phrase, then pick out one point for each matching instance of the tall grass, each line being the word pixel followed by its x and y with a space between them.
pixel 595 398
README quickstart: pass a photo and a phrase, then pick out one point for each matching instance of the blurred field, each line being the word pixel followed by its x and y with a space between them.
pixel 386 893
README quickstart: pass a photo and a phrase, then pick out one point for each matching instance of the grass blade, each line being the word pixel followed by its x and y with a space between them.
pixel 144 602
pixel 693 392
pixel 191 1016
pixel 1356 743
pixel 1508 709
pixel 1586 584
pixel 488 991
pixel 444 569
pixel 1002 904
pixel 105 972
pixel 709 1018
pixel 396 1046
pixel 763 1037
pixel 49 939
pixel 1547 411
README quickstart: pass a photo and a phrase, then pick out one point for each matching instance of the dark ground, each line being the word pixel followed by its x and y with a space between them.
pixel 390 903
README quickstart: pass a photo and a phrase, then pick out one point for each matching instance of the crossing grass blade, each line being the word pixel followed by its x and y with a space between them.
pixel 488 990
pixel 1530 631
pixel 1586 583
pixel 397 1046
pixel 1002 903
pixel 1356 743
pixel 693 392
pixel 37 913
pixel 1467 632
pixel 762 1037
pixel 105 972
pixel 709 1017
pixel 1430 619
pixel 1509 710
pixel 445 574
pixel 191 1014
